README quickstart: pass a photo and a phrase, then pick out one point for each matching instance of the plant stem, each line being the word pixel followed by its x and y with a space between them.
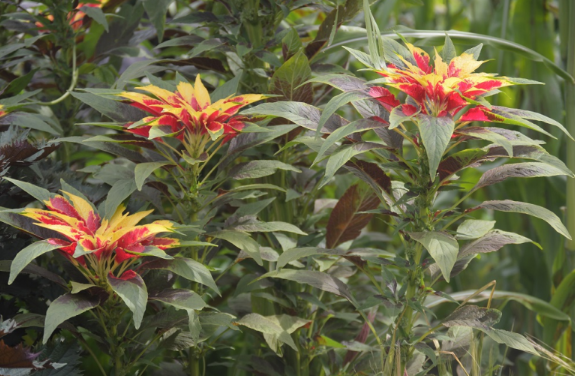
pixel 570 119
pixel 194 364
pixel 72 84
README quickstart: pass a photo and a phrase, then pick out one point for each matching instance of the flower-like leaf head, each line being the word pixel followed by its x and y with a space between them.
pixel 444 88
pixel 188 112
pixel 84 232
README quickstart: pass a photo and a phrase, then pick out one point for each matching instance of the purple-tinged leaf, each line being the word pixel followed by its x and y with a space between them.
pixel 131 288
pixel 517 170
pixel 526 208
pixel 345 222
pixel 491 242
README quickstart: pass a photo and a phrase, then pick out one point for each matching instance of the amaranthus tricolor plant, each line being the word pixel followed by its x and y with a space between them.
pixel 422 149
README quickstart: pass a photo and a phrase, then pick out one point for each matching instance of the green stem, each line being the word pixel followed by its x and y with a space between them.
pixel 194 361
pixel 570 118
pixel 87 347
pixel 72 84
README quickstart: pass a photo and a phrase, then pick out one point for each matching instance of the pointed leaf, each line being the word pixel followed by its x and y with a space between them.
pixel 525 208
pixel 269 227
pixel 120 191
pixel 345 222
pixel 473 229
pixel 441 246
pixel 517 170
pixel 493 241
pixel 241 240
pixel 288 80
pixel 186 268
pixel 313 278
pixel 143 170
pixel 258 169
pixel 338 101
pixel 180 299
pixel 156 10
pixel 341 133
pixel 435 134
pixel 448 52
pixel 132 290
pixel 25 256
pixel 64 308
pixel 297 253
pixel 372 174
pixel 38 193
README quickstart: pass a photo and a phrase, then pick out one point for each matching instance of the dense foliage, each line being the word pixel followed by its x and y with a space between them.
pixel 286 188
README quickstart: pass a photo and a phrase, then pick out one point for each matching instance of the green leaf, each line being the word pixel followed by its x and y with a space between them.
pixel 441 246
pixel 493 241
pixel 302 114
pixel 250 187
pixel 510 339
pixel 435 134
pixel 241 240
pixel 288 324
pixel 194 325
pixel 116 111
pixel 134 293
pixel 291 41
pixel 338 101
pixel 340 133
pixel 562 300
pixel 180 299
pixel 313 278
pixel 485 133
pixel 530 209
pixel 517 170
pixel 38 193
pixel 97 15
pixel 269 227
pixel 530 302
pixel 473 316
pixel 27 255
pixel 289 79
pixel 206 45
pixel 259 323
pixel 64 308
pixel 258 169
pixel 154 252
pixel 298 253
pixel 186 268
pixel 226 90
pixel 34 121
pixel 344 154
pixel 473 229
pixel 120 191
pixel 156 10
pixel 534 152
pixel 524 114
pixel 361 56
pixel 397 116
pixel 253 208
pixel 78 287
pixel 143 170
pixel 448 52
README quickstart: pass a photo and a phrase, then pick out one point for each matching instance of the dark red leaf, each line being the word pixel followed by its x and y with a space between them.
pixel 371 173
pixel 345 223
pixel 16 357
